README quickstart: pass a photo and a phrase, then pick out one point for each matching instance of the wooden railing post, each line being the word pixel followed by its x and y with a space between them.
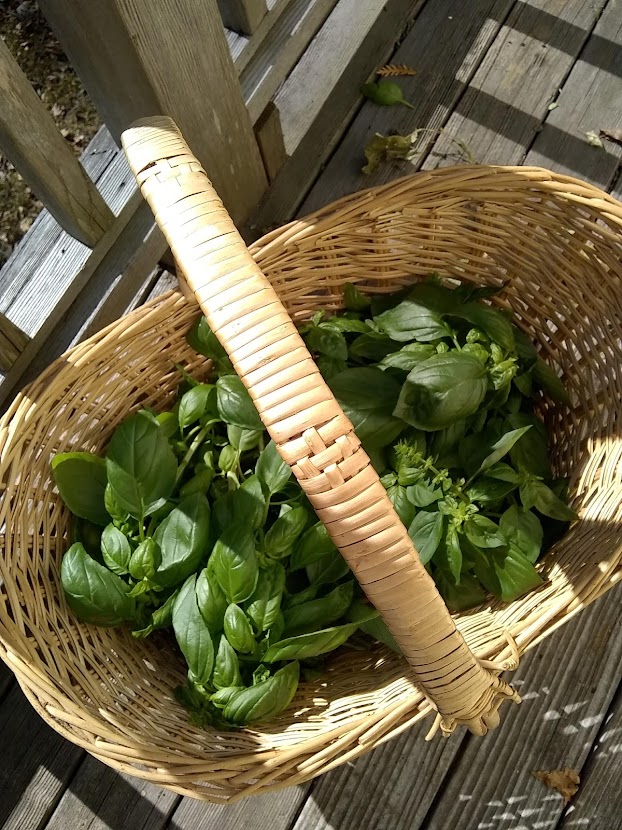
pixel 31 141
pixel 168 58
pixel 242 16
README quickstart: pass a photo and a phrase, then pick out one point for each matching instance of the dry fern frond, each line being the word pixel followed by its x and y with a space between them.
pixel 391 70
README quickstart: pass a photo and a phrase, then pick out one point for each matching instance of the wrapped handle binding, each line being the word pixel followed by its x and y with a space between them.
pixel 309 428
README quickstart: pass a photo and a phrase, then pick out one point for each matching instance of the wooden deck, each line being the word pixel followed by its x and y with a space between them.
pixel 488 74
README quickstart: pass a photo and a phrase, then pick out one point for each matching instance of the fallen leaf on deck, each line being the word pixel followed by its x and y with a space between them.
pixel 593 139
pixel 565 781
pixel 393 70
pixel 612 135
pixel 385 147
pixel 553 105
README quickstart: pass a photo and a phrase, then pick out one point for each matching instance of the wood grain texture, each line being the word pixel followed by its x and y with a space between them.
pixel 392 787
pixel 274 811
pixel 569 681
pixel 100 798
pixel 299 102
pixel 12 343
pixel 460 33
pixel 157 57
pixel 280 51
pixel 114 272
pixel 36 765
pixel 589 101
pixel 30 139
pixel 599 800
pixel 501 113
pixel 6 680
pixel 296 177
pixel 244 47
pixel 243 16
pixel 270 141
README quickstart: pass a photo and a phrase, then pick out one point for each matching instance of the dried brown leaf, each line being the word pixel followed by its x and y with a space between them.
pixel 612 135
pixel 566 781
pixel 393 70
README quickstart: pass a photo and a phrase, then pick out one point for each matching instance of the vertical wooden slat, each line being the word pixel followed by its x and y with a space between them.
pixel 31 141
pixel 13 341
pixel 167 58
pixel 242 16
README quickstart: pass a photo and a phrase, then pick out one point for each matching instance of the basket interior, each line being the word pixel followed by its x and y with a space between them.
pixel 559 260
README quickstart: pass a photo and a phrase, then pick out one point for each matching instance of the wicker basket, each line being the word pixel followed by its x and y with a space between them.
pixel 554 242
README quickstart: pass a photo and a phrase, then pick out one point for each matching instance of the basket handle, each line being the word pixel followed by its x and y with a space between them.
pixel 308 426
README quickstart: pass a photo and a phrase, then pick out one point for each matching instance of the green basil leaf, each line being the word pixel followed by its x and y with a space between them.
pixel 291 600
pixel 454 553
pixel 168 422
pixel 192 635
pixel 524 348
pixel 353 299
pixel 491 321
pixel 423 494
pixel 524 383
pixel 238 629
pixel 226 666
pixel 327 341
pixel 329 367
pixel 372 346
pixel 503 472
pixel 242 507
pixel 312 546
pixel 265 603
pixel 234 563
pixel 228 459
pixel 377 629
pixel 203 340
pixel 549 381
pixel 90 536
pixel 266 699
pixel 223 696
pixel 285 530
pixel 329 568
pixel 211 600
pixel 348 325
pixel 271 470
pixel 162 617
pixel 501 448
pixel 235 405
pixel 94 593
pixel 408 357
pixel 402 504
pixel 426 532
pixel 419 317
pixel 116 550
pixel 530 453
pixel 442 390
pixel 183 538
pixel 537 494
pixel 113 508
pixel 243 439
pixel 196 403
pixel 310 645
pixel 81 480
pixel 445 441
pixel 523 531
pixel 483 532
pixel 516 575
pixel 141 466
pixel 368 397
pixel 199 483
pixel 321 612
pixel 145 560
pixel 459 598
pixel 468 291
pixel 489 490
pixel 481 563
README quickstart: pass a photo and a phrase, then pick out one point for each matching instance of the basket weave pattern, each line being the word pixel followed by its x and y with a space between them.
pixel 553 241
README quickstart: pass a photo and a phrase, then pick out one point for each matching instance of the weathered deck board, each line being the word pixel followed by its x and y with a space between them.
pixel 100 798
pixel 568 684
pixel 37 764
pixel 274 811
pixel 500 114
pixel 590 100
pixel 446 44
pixel 599 800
